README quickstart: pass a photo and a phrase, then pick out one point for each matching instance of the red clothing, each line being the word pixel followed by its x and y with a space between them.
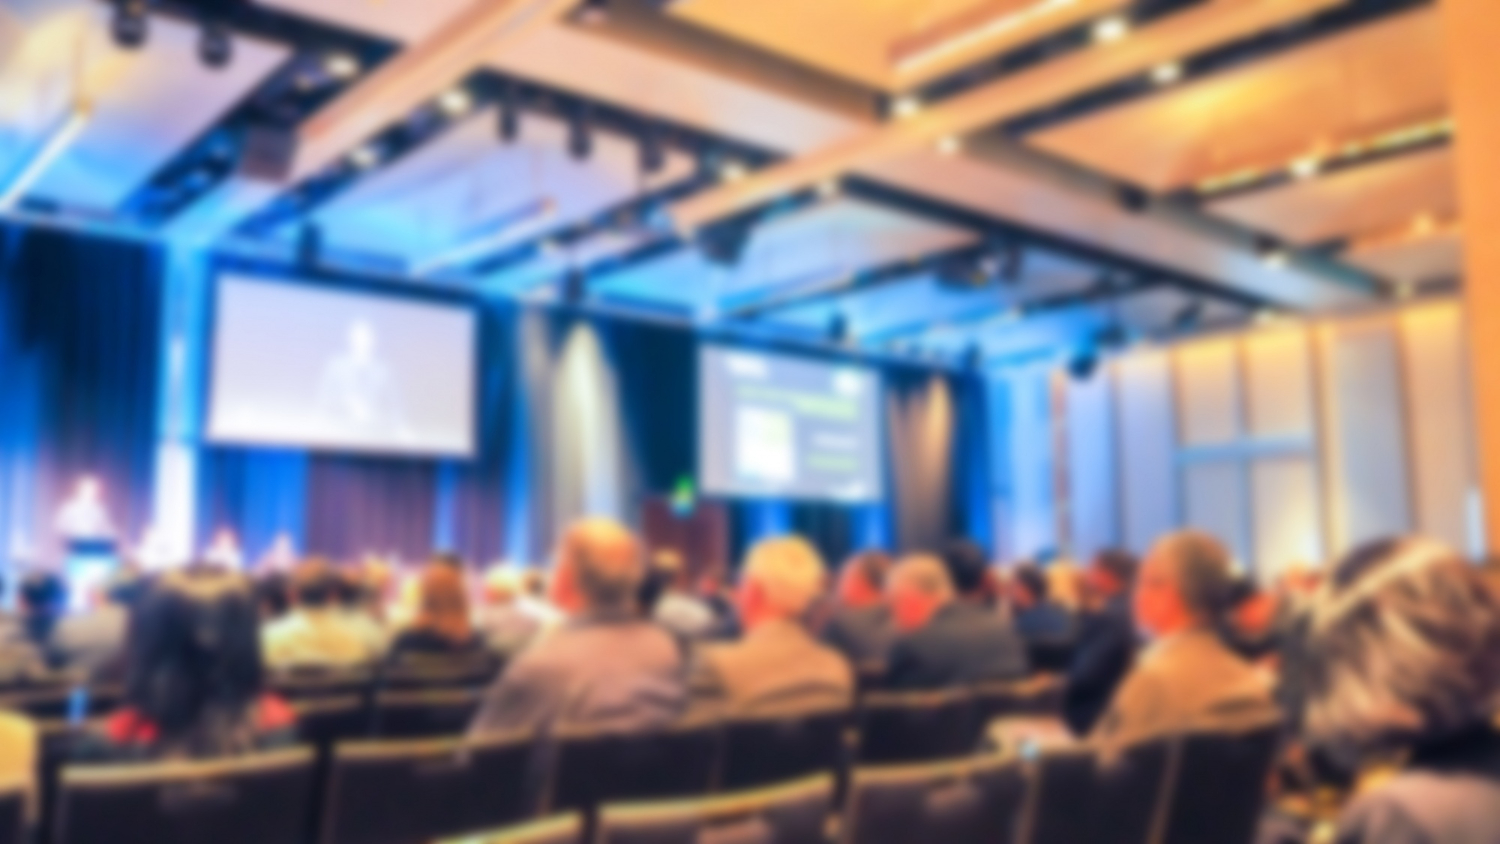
pixel 128 727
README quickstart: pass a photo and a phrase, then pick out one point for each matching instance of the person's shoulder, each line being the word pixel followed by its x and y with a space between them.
pixel 1393 813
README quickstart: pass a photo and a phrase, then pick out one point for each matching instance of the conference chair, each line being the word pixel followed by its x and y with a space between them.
pixel 242 800
pixel 323 721
pixel 1009 698
pixel 410 792
pixel 1217 785
pixel 794 813
pixel 561 829
pixel 761 751
pixel 424 713
pixel 917 726
pixel 53 697
pixel 968 801
pixel 13 814
pixel 1051 655
pixel 427 671
pixel 869 677
pixel 590 767
pixel 296 684
pixel 1059 797
pixel 1128 793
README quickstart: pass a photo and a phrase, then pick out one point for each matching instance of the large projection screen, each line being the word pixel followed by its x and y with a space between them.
pixel 778 426
pixel 317 368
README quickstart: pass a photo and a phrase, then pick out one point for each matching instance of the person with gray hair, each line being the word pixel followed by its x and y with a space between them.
pixel 606 667
pixel 1189 678
pixel 778 668
pixel 1403 665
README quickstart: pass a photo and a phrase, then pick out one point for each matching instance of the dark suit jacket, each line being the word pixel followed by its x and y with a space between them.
pixel 962 644
pixel 1105 652
pixel 862 635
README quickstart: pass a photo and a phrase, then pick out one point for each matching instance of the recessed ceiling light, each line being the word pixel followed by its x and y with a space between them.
pixel 364 157
pixel 1166 73
pixel 828 188
pixel 950 145
pixel 1306 167
pixel 732 171
pixel 1111 29
pixel 341 66
pixel 455 102
pixel 905 107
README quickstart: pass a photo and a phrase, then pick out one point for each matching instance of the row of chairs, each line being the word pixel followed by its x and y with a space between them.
pixel 1194 788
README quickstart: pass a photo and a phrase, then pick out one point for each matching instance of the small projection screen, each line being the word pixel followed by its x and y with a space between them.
pixel 778 426
pixel 333 370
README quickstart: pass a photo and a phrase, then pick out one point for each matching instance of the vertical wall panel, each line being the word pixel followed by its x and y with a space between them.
pixel 1365 433
pixel 1284 504
pixel 1146 441
pixel 1213 496
pixel 1093 500
pixel 1208 393
pixel 1442 452
pixel 1278 384
pixel 1032 512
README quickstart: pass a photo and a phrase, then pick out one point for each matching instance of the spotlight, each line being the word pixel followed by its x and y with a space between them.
pixel 128 26
pixel 1166 73
pixel 455 102
pixel 652 156
pixel 341 66
pixel 950 145
pixel 1306 167
pixel 724 243
pixel 215 49
pixel 365 157
pixel 1133 199
pixel 1111 29
pixel 508 114
pixel 580 135
pixel 310 245
pixel 732 171
pixel 828 189
pixel 904 107
pixel 1083 365
pixel 838 329
pixel 1271 253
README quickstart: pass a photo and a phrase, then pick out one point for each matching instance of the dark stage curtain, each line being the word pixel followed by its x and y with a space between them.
pixel 476 492
pixel 79 351
pixel 937 461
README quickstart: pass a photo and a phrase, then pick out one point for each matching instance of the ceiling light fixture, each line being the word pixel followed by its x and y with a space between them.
pixel 1166 73
pixel 455 102
pixel 1306 167
pixel 1271 253
pixel 496 231
pixel 364 157
pixel 950 145
pixel 341 66
pixel 829 189
pixel 1111 29
pixel 906 106
pixel 56 144
pixel 732 171
pixel 580 133
pixel 652 155
pixel 128 26
pixel 508 114
pixel 215 49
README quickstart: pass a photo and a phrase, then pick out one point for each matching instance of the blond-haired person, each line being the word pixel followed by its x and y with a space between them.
pixel 779 666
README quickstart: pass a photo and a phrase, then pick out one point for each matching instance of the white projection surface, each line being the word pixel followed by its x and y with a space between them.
pixel 778 426
pixel 319 368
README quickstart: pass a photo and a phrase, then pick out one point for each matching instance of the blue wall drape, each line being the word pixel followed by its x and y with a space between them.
pixel 79 328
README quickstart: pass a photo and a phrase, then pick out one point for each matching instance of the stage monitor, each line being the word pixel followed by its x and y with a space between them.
pixel 329 369
pixel 772 425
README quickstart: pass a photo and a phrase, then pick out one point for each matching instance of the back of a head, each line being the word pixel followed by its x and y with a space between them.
pixel 193 655
pixel 1203 572
pixel 602 560
pixel 967 566
pixel 862 580
pixel 924 575
pixel 1120 565
pixel 788 574
pixel 315 584
pixel 43 592
pixel 1404 650
pixel 445 602
pixel 1032 580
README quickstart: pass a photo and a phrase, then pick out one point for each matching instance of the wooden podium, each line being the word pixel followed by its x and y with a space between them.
pixel 700 535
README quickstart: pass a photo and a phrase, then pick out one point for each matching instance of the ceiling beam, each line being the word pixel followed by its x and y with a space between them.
pixel 1178 35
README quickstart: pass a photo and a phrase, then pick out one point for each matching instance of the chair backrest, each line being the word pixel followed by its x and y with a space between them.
pixel 424 714
pixel 560 829
pixel 323 721
pixel 424 671
pixel 12 815
pixel 1051 655
pixel 968 801
pixel 917 726
pixel 1217 785
pixel 321 682
pixel 1059 797
pixel 589 768
pixel 412 791
pixel 763 751
pixel 794 813
pixel 1031 697
pixel 1128 792
pixel 51 699
pixel 240 800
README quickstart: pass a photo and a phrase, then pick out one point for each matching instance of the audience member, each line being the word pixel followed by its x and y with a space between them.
pixel 20 658
pixel 442 626
pixel 861 626
pixel 357 604
pixel 948 637
pixel 606 667
pixel 1404 664
pixel 676 607
pixel 1037 617
pixel 44 601
pixel 93 642
pixel 1189 678
pixel 193 675
pixel 1106 642
pixel 317 633
pixel 506 625
pixel 273 596
pixel 778 667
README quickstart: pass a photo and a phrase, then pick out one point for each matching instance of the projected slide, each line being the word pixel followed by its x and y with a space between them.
pixel 313 367
pixel 772 425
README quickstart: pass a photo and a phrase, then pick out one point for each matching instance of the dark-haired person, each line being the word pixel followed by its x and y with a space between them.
pixel 316 633
pixel 962 640
pixel 860 626
pixel 1404 666
pixel 93 641
pixel 44 601
pixel 442 626
pixel 1106 644
pixel 1189 678
pixel 1038 617
pixel 194 685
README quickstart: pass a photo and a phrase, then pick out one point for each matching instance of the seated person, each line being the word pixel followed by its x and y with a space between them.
pixel 1188 678
pixel 675 607
pixel 194 684
pixel 93 642
pixel 316 633
pixel 1403 664
pixel 948 637
pixel 605 667
pixel 778 667
pixel 1106 643
pixel 442 626
pixel 507 626
pixel 860 626
pixel 44 603
pixel 1038 618
pixel 356 604
pixel 20 658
